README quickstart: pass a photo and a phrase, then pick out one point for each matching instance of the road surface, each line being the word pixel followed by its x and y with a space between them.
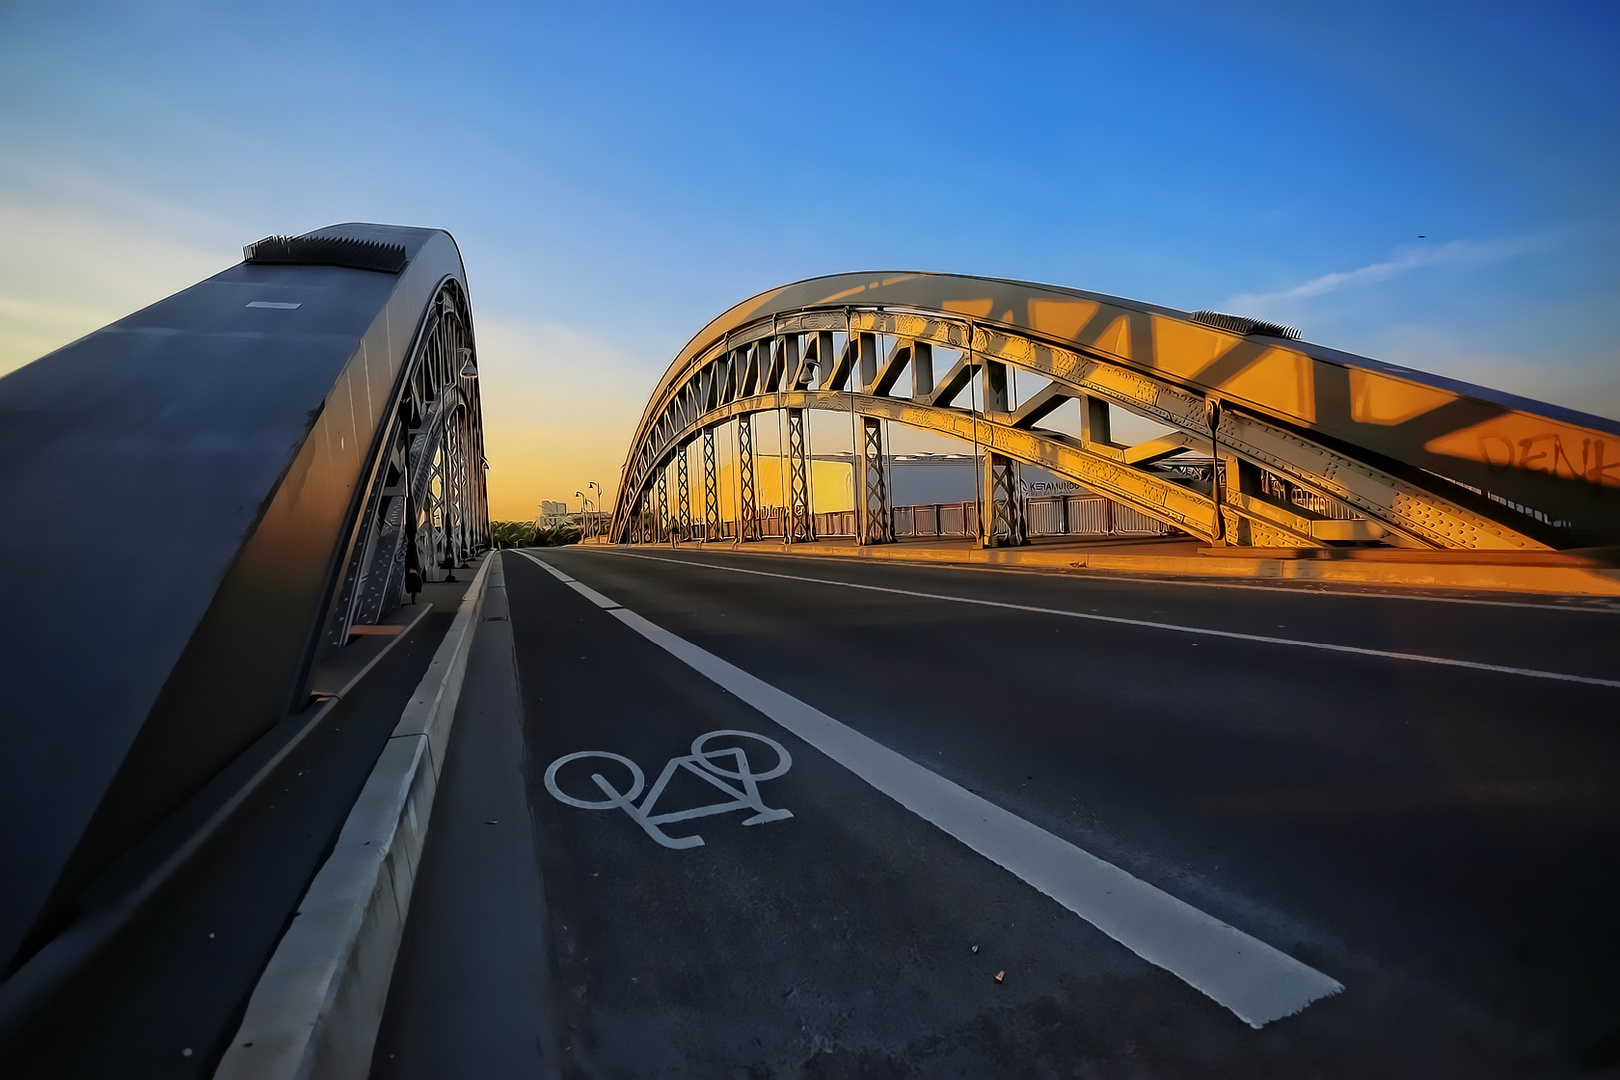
pixel 1029 825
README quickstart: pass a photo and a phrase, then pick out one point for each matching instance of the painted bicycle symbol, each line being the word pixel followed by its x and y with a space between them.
pixel 726 767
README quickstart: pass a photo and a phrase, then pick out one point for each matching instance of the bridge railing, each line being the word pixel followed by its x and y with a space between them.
pixel 1046 516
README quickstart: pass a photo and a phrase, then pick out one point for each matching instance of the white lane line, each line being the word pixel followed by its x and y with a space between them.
pixel 1264 639
pixel 1603 606
pixel 1606 608
pixel 578 586
pixel 1257 982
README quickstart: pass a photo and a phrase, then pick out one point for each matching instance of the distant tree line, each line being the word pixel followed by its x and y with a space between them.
pixel 528 534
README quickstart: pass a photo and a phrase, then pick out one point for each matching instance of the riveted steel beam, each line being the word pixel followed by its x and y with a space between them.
pixel 1161 497
pixel 1397 456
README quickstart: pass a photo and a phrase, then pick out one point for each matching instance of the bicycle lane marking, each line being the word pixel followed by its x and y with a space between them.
pixel 1245 975
pixel 700 763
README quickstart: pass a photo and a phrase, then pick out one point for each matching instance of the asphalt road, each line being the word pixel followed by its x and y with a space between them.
pixel 1416 799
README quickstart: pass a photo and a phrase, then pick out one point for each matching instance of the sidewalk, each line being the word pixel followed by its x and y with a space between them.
pixel 1589 573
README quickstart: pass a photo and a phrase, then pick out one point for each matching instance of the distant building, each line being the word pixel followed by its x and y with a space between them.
pixel 553 514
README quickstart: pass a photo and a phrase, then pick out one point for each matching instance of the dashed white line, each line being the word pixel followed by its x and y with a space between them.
pixel 1255 981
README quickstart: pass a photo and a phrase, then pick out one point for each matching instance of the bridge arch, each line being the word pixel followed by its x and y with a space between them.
pixel 1308 446
pixel 270 459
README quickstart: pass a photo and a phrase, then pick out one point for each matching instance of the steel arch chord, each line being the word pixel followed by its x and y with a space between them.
pixel 290 448
pixel 1269 440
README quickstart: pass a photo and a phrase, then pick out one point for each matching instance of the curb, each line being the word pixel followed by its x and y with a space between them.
pixel 1493 577
pixel 316 1009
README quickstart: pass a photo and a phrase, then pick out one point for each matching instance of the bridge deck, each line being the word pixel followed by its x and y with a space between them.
pixel 1403 819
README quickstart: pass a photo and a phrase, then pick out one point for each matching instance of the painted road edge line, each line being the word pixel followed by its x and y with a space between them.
pixel 1255 981
pixel 1120 620
pixel 316 1009
pixel 1106 577
pixel 578 586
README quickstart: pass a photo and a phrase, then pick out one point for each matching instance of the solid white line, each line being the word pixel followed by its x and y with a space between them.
pixel 1264 639
pixel 578 586
pixel 1316 588
pixel 542 564
pixel 1242 973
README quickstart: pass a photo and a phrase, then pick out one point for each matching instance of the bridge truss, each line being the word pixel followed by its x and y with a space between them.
pixel 1301 445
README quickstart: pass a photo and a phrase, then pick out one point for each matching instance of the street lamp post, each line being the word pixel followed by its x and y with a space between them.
pixel 585 515
pixel 599 522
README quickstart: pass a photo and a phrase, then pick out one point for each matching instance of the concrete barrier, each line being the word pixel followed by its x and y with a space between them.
pixel 316 1009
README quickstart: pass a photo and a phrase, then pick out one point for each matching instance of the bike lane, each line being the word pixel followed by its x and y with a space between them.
pixel 910 672
pixel 850 938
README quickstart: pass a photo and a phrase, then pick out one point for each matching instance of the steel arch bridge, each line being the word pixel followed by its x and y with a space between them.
pixel 274 458
pixel 1381 454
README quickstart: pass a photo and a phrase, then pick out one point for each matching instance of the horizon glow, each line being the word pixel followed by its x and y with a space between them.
pixel 1429 184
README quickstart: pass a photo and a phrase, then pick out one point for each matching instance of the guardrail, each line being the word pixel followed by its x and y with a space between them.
pixel 1060 515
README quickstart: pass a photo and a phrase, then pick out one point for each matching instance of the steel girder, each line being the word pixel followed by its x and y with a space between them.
pixel 270 446
pixel 1406 458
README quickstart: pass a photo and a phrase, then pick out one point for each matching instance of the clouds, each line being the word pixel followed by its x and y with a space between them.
pixel 76 258
pixel 1403 260
pixel 611 195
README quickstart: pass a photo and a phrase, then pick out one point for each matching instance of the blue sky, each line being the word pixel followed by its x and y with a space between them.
pixel 616 174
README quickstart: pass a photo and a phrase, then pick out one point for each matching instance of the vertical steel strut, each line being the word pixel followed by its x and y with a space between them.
pixel 747 508
pixel 875 522
pixel 1003 511
pixel 683 497
pixel 803 526
pixel 663 505
pixel 711 488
